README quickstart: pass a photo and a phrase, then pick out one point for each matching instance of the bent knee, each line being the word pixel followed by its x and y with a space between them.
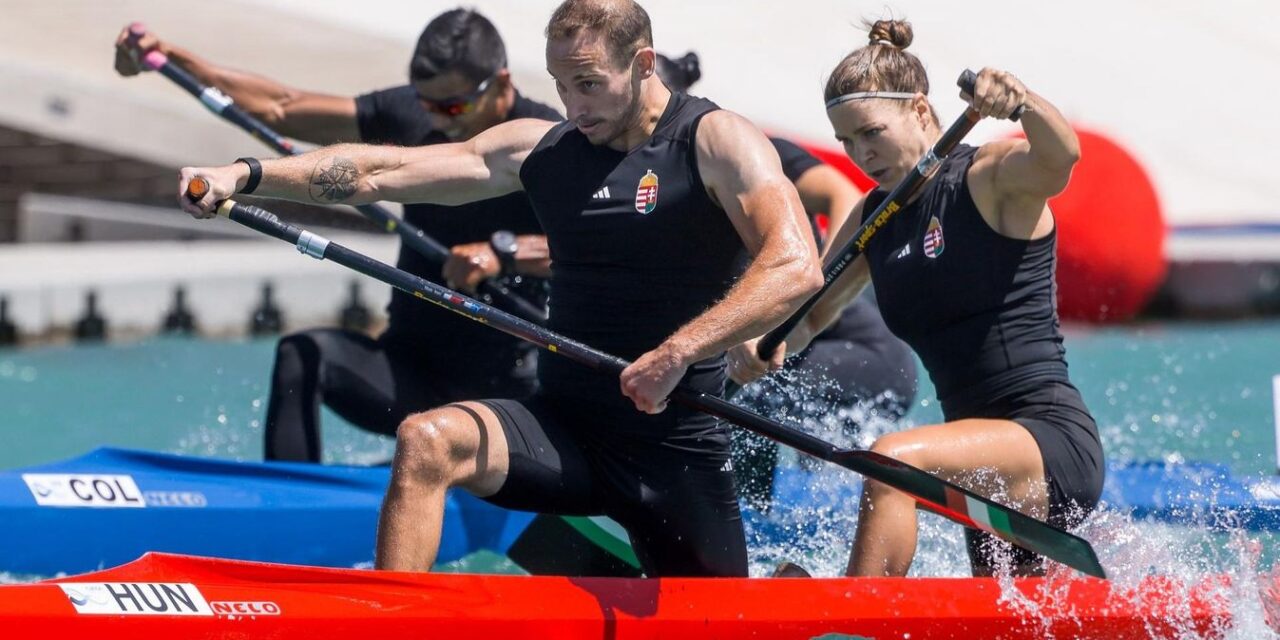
pixel 901 447
pixel 297 354
pixel 429 445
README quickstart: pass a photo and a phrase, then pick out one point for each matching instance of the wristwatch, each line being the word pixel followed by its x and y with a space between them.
pixel 504 246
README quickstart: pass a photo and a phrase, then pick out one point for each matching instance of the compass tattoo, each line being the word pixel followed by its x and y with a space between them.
pixel 334 181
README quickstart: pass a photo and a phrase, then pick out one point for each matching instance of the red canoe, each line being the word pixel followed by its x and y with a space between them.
pixel 174 596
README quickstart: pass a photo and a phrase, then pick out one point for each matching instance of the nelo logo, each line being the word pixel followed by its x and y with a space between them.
pixel 222 608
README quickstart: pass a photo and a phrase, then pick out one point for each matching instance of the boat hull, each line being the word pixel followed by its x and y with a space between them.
pixel 180 596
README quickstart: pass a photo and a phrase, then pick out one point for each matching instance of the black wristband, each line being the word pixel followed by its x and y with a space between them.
pixel 255 174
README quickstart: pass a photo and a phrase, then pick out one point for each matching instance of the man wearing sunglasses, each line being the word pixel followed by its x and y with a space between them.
pixel 458 86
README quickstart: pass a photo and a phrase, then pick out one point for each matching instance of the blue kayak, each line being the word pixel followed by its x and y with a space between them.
pixel 1194 493
pixel 1198 494
pixel 111 505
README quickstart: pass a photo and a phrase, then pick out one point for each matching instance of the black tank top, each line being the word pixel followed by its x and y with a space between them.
pixel 977 307
pixel 638 248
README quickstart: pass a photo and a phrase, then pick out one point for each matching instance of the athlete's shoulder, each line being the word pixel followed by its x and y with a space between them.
pixel 514 138
pixel 981 165
pixel 692 103
pixel 528 108
pixel 995 150
pixel 724 132
pixel 560 132
pixel 394 116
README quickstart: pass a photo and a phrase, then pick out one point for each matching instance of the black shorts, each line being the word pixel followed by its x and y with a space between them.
pixel 1067 436
pixel 667 478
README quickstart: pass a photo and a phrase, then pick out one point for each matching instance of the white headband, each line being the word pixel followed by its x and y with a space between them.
pixel 865 95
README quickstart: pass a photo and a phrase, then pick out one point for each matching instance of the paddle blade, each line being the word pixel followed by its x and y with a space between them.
pixel 574 546
pixel 974 511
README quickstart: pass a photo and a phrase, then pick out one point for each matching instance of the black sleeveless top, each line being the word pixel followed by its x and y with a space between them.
pixel 978 307
pixel 638 248
pixel 394 116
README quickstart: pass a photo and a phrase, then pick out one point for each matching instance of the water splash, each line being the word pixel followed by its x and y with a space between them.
pixel 1192 564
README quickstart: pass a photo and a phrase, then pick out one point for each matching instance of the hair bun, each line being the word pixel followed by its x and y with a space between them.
pixel 679 73
pixel 690 66
pixel 895 33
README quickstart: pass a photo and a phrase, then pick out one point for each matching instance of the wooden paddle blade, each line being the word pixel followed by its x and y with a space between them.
pixel 974 511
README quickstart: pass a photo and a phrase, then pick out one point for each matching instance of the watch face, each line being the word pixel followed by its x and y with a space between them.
pixel 503 241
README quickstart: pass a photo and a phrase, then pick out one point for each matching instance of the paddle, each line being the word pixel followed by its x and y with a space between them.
pixel 891 205
pixel 222 105
pixel 940 496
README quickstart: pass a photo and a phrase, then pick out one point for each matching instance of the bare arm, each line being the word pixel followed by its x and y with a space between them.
pixel 741 171
pixel 1012 180
pixel 743 174
pixel 744 365
pixel 483 167
pixel 842 292
pixel 313 117
pixel 823 189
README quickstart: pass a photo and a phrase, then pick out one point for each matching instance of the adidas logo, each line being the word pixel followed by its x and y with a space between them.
pixel 602 194
pixel 904 251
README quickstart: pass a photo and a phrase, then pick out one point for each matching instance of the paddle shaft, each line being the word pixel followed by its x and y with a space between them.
pixel 896 200
pixel 426 246
pixel 935 493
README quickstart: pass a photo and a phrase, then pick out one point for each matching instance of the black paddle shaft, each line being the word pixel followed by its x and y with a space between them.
pixel 947 499
pixel 423 244
pixel 891 205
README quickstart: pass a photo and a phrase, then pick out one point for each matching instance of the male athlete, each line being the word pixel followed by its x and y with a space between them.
pixel 674 234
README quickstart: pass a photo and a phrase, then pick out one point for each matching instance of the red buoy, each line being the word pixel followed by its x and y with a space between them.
pixel 1110 235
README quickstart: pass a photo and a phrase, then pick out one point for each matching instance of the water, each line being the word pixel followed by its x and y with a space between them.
pixel 1169 392
pixel 180 396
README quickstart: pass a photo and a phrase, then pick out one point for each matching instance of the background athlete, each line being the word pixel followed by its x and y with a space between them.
pixel 459 85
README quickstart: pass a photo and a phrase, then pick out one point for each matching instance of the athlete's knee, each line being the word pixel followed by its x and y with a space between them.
pixel 430 445
pixel 297 356
pixel 900 446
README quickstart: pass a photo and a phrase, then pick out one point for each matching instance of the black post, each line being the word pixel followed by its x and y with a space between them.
pixel 8 330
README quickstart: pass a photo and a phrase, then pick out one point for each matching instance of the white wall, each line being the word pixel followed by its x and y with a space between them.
pixel 1187 85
